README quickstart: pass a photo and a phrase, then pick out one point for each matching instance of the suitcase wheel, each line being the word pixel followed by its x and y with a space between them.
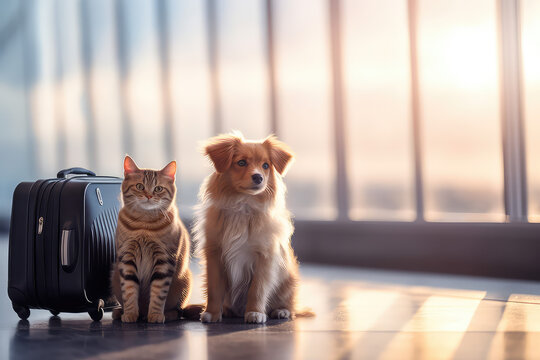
pixel 22 311
pixel 97 314
pixel 54 312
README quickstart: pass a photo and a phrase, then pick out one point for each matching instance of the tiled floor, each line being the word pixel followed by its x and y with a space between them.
pixel 361 314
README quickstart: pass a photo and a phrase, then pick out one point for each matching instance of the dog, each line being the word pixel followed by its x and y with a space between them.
pixel 243 231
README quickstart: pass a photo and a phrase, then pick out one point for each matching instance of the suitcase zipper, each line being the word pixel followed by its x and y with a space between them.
pixel 40 281
pixel 100 198
pixel 40 225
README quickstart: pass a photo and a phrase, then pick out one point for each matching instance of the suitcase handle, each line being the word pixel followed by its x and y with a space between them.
pixel 75 170
pixel 68 252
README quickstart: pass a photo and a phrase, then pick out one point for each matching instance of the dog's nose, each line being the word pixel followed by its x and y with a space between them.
pixel 257 178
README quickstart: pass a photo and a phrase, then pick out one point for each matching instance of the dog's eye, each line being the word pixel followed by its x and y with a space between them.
pixel 158 189
pixel 242 163
pixel 266 166
pixel 139 186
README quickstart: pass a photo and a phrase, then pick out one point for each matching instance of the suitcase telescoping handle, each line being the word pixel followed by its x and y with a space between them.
pixel 75 171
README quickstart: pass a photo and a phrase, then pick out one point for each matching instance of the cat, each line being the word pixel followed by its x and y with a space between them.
pixel 150 278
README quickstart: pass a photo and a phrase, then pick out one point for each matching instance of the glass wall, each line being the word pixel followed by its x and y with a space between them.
pixel 17 161
pixel 191 103
pixel 304 104
pixel 460 110
pixel 241 56
pixel 144 92
pixel 378 113
pixel 82 83
pixel 103 84
pixel 530 32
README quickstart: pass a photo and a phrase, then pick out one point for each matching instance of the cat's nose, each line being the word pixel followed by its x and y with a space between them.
pixel 149 196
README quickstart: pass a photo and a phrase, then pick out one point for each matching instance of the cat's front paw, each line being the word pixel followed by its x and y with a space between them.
pixel 156 318
pixel 255 317
pixel 130 317
pixel 207 317
pixel 280 314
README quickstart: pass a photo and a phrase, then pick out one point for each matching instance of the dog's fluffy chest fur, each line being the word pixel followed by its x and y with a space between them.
pixel 240 244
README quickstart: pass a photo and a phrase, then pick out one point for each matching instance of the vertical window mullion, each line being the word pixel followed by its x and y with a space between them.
pixel 271 67
pixel 415 109
pixel 27 17
pixel 121 53
pixel 213 63
pixel 164 69
pixel 342 189
pixel 86 56
pixel 515 187
pixel 58 94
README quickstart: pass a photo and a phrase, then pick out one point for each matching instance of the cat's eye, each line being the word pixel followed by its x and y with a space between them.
pixel 242 163
pixel 158 189
pixel 266 166
pixel 140 186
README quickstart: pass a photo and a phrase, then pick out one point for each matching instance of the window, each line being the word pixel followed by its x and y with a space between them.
pixel 460 110
pixel 530 11
pixel 377 108
pixel 304 105
pixel 191 100
pixel 96 79
pixel 242 67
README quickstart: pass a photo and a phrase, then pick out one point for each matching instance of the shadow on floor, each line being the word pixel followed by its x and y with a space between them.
pixel 113 339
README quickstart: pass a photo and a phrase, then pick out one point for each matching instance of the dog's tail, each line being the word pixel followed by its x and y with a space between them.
pixel 306 312
pixel 192 312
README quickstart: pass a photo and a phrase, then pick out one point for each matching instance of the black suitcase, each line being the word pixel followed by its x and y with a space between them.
pixel 61 243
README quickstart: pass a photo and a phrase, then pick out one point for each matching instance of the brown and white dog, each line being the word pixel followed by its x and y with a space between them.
pixel 243 231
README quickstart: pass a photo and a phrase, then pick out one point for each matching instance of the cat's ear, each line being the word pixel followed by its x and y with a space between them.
pixel 169 170
pixel 129 166
pixel 220 150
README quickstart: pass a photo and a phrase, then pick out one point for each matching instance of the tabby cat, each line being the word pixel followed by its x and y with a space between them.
pixel 150 278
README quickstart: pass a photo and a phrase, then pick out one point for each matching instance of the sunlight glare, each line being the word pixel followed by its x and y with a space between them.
pixel 447 314
pixel 468 57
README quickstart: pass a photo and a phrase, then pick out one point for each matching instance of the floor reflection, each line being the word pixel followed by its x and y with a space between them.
pixel 478 338
pixel 360 314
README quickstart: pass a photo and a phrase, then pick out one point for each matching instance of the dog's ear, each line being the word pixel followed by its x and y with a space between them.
pixel 280 154
pixel 220 150
pixel 130 166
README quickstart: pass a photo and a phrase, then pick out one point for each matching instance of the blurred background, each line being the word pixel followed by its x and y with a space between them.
pixel 395 108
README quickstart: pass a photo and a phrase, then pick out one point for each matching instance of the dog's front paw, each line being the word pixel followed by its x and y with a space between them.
pixel 280 314
pixel 255 317
pixel 130 317
pixel 156 318
pixel 207 317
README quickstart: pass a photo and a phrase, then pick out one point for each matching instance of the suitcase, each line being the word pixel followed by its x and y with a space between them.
pixel 61 243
